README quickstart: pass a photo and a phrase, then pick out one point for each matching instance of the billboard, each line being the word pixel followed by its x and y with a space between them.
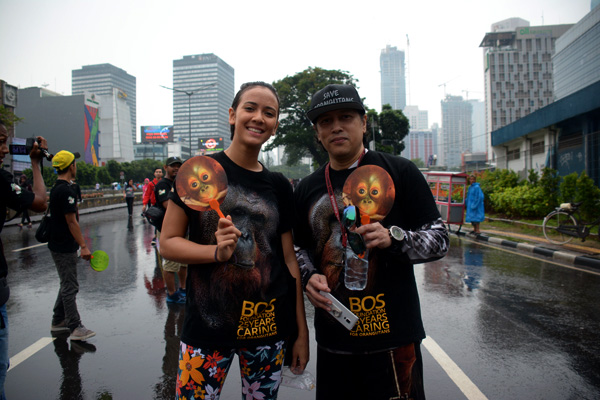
pixel 212 144
pixel 91 129
pixel 157 134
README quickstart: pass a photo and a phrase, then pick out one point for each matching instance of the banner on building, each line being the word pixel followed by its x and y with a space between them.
pixel 92 121
pixel 207 145
pixel 157 134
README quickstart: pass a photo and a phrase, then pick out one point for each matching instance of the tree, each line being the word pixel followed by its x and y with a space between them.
pixel 103 176
pixel 86 174
pixel 8 118
pixel 295 130
pixel 114 170
pixel 394 127
pixel 418 162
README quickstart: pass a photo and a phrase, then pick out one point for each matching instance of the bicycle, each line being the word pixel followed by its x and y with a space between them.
pixel 562 221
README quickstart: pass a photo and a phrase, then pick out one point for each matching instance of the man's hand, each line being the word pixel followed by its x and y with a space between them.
pixel 227 236
pixel 85 253
pixel 36 155
pixel 315 285
pixel 375 235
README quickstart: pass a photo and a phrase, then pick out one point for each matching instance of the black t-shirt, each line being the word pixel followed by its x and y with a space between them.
pixel 13 197
pixel 250 299
pixel 162 190
pixel 388 308
pixel 63 200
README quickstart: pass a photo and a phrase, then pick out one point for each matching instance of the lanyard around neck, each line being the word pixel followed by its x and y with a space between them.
pixel 333 201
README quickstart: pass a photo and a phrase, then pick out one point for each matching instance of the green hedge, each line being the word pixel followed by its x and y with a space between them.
pixel 537 196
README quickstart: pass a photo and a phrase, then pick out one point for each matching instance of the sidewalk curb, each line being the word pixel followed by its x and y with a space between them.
pixel 582 261
pixel 37 218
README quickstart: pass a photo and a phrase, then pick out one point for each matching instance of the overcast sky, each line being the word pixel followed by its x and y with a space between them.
pixel 43 41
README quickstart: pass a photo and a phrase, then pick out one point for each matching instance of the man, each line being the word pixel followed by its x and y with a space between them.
pixel 379 358
pixel 11 196
pixel 65 241
pixel 170 268
pixel 149 199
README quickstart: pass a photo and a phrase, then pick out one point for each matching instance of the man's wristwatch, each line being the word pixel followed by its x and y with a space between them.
pixel 396 233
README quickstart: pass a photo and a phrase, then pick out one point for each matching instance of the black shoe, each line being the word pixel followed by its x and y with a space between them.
pixel 81 347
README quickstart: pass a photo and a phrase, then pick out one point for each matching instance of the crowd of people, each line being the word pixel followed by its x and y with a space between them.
pixel 240 246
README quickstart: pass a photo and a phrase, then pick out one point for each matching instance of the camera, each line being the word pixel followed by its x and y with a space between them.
pixel 25 149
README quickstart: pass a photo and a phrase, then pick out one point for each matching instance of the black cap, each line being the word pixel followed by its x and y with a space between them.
pixel 173 160
pixel 334 97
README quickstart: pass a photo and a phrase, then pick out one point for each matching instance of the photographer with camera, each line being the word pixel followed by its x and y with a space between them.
pixel 11 196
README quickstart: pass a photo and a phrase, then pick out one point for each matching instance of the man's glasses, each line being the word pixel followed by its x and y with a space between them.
pixel 350 218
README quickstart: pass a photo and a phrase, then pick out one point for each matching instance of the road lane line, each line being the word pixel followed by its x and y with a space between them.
pixel 28 352
pixel 30 247
pixel 461 380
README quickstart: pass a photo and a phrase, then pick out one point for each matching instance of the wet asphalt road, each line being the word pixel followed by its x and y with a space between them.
pixel 500 325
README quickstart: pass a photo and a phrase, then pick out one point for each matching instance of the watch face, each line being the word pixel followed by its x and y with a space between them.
pixel 396 233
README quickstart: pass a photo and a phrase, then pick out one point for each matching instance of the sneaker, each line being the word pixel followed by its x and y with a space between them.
pixel 82 347
pixel 62 327
pixel 81 333
pixel 176 298
pixel 20 225
pixel 29 226
pixel 182 292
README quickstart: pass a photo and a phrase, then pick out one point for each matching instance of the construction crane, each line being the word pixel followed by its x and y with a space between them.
pixel 444 84
pixel 470 91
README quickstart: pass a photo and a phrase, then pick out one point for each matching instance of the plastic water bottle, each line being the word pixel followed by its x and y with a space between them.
pixel 304 381
pixel 356 270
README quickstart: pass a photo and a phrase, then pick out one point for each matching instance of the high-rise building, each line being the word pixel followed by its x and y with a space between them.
pixel 418 119
pixel 97 127
pixel 203 90
pixel 478 126
pixel 115 143
pixel 457 136
pixel 518 70
pixel 101 79
pixel 576 59
pixel 420 144
pixel 393 81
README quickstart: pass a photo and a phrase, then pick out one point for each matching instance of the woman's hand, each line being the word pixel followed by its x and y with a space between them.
pixel 227 236
pixel 301 354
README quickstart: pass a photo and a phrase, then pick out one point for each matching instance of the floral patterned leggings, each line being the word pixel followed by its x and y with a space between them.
pixel 202 372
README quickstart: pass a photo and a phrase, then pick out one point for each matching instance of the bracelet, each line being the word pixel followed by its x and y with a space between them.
pixel 216 249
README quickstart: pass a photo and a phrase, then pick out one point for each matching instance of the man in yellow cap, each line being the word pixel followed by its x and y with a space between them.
pixel 64 242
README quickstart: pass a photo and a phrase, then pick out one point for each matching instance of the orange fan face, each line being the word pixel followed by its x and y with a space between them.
pixel 200 180
pixel 371 189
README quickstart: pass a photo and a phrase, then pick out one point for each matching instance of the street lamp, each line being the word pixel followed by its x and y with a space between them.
pixel 189 94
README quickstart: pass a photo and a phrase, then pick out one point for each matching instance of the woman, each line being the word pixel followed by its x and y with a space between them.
pixel 474 204
pixel 243 287
pixel 128 194
pixel 25 186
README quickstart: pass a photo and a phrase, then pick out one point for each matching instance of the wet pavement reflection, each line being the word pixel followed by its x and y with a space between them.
pixel 518 327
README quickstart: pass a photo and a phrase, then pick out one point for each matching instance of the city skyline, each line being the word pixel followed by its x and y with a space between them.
pixel 443 57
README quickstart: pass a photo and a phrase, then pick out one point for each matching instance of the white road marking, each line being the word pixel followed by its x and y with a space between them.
pixel 461 380
pixel 30 247
pixel 28 352
pixel 539 258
